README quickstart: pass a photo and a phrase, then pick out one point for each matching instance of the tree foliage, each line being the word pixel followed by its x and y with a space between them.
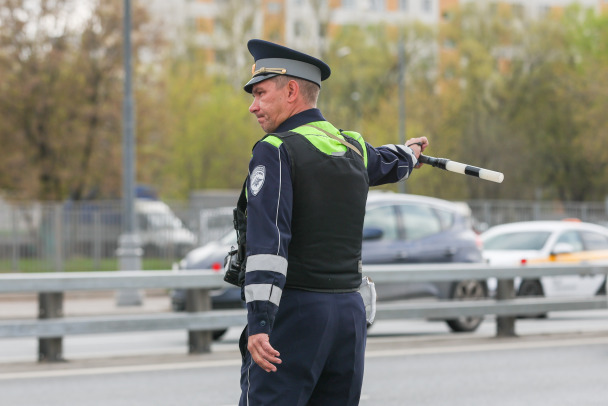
pixel 488 86
pixel 61 97
pixel 209 130
pixel 521 95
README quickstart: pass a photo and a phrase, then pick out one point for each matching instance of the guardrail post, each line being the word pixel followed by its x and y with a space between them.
pixel 198 300
pixel 50 306
pixel 58 236
pixel 505 325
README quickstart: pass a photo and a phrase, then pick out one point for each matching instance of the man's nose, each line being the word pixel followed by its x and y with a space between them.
pixel 254 106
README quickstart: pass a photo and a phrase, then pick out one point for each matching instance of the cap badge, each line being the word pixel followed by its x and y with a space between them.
pixel 263 70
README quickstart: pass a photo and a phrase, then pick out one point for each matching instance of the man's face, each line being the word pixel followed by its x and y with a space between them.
pixel 269 104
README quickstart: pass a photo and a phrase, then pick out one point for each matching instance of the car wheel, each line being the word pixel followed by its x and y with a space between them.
pixel 531 288
pixel 467 290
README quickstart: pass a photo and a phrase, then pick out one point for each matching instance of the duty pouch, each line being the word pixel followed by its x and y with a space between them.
pixel 367 289
pixel 234 263
pixel 232 268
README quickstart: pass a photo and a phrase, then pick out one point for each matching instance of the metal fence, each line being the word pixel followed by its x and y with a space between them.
pixel 84 236
pixel 488 213
pixel 51 325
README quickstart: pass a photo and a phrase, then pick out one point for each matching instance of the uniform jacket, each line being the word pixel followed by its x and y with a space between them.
pixel 270 203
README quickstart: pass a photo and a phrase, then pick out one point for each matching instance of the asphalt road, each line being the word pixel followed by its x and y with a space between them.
pixel 541 370
pixel 559 361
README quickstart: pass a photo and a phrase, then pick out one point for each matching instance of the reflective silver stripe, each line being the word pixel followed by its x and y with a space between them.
pixel 406 150
pixel 267 262
pixel 263 291
pixel 276 218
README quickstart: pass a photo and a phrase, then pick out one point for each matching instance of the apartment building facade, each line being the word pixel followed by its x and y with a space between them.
pixel 221 27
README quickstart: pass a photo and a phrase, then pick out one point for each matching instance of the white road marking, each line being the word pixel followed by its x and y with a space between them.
pixel 499 346
pixel 117 370
pixel 515 344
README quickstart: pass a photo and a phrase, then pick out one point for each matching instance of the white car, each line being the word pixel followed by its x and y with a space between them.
pixel 536 242
pixel 161 231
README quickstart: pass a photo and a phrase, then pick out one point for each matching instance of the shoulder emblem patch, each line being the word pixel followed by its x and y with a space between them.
pixel 256 180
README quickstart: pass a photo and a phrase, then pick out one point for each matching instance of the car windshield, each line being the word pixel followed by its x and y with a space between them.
pixel 521 240
pixel 229 238
pixel 162 221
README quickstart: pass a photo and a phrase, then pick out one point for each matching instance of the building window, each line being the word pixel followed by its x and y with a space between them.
pixel 298 28
pixel 493 8
pixel 518 10
pixel 221 57
pixel 274 7
pixel 427 6
pixel 191 23
pixel 403 5
pixel 348 3
pixel 378 5
pixel 544 11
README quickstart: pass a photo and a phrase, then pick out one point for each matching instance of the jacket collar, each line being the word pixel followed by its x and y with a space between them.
pixel 297 120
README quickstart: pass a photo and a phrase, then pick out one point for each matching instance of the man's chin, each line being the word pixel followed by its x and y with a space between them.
pixel 267 129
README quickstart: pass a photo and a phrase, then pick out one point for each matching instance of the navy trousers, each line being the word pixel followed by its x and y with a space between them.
pixel 321 338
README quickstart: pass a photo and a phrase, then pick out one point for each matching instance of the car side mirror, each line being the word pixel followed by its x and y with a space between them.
pixel 562 248
pixel 372 233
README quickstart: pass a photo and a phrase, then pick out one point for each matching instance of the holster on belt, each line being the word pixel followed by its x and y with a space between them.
pixel 367 289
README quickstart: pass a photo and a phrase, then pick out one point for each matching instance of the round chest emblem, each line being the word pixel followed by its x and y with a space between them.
pixel 256 180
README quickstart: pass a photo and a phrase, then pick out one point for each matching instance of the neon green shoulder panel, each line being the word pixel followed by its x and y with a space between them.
pixel 322 141
pixel 357 137
pixel 326 144
pixel 271 139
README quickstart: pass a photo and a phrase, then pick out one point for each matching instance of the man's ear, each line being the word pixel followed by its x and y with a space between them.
pixel 293 89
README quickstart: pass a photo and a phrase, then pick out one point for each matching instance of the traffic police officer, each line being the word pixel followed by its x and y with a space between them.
pixel 306 194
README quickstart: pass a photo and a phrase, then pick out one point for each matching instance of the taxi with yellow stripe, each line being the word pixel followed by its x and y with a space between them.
pixel 568 241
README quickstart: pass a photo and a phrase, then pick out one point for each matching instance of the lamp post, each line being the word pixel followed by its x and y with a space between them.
pixel 129 244
pixel 401 76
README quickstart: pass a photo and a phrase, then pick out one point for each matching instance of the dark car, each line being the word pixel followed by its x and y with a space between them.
pixel 210 256
pixel 398 229
pixel 412 229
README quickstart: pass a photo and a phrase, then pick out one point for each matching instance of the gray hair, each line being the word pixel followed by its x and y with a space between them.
pixel 309 90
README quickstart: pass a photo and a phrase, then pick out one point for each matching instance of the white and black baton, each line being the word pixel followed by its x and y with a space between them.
pixel 461 168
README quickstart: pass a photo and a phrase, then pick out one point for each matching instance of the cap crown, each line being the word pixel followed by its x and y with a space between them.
pixel 273 59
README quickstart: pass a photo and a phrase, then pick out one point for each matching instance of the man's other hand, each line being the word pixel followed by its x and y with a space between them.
pixel 262 352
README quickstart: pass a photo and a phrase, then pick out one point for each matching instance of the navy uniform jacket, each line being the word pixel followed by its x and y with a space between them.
pixel 269 205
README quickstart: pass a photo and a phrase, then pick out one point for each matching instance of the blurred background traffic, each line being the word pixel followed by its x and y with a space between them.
pixel 516 86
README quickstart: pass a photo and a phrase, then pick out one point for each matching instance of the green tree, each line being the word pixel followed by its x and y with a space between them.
pixel 516 97
pixel 209 132
pixel 474 92
pixel 554 91
pixel 61 98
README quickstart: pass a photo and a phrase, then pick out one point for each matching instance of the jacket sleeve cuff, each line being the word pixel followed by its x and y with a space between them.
pixel 258 323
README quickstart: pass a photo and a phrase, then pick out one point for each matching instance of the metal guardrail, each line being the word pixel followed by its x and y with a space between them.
pixel 200 320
